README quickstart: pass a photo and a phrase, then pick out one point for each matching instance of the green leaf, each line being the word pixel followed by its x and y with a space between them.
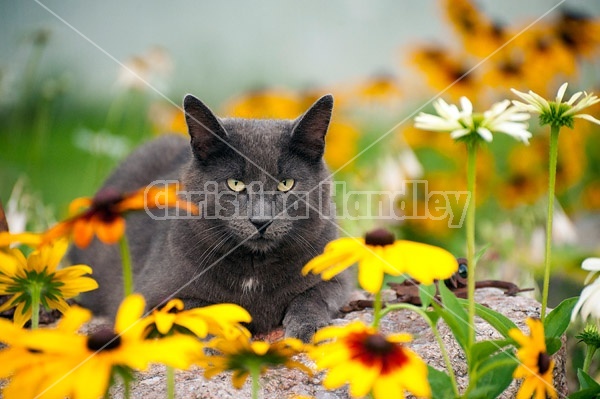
pixel 481 252
pixel 434 316
pixel 441 384
pixel 589 393
pixel 454 315
pixel 493 376
pixel 497 320
pixel 481 351
pixel 553 345
pixel 427 293
pixel 585 381
pixel 557 321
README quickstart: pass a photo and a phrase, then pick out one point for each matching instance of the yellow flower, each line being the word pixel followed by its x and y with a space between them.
pixel 39 272
pixel 378 90
pixel 222 319
pixel 579 33
pixel 104 214
pixel 447 72
pixel 243 357
pixel 369 361
pixel 480 36
pixel 60 363
pixel 341 143
pixel 536 366
pixel 266 103
pixel 378 254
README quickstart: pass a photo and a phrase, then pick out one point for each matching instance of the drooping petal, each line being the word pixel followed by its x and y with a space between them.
pixel 83 233
pixel 110 232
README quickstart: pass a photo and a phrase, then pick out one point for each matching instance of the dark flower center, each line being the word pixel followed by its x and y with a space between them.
pixel 543 363
pixel 102 340
pixel 380 237
pixel 375 349
pixel 106 198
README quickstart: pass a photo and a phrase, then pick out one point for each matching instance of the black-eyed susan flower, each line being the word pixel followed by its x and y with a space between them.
pixel 378 254
pixel 104 214
pixel 447 72
pixel 37 279
pixel 61 363
pixel 464 124
pixel 221 319
pixel 535 366
pixel 557 112
pixel 245 357
pixel 580 33
pixel 369 362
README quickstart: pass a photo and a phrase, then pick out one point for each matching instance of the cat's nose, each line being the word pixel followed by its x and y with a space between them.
pixel 261 224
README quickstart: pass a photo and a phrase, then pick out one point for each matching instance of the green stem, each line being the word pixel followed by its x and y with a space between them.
pixel 170 382
pixel 471 175
pixel 554 130
pixel 436 333
pixel 377 305
pixel 589 354
pixel 126 389
pixel 126 260
pixel 255 375
pixel 35 292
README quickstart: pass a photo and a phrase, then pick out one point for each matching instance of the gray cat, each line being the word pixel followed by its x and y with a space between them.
pixel 263 218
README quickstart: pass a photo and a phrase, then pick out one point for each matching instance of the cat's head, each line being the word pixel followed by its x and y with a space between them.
pixel 264 182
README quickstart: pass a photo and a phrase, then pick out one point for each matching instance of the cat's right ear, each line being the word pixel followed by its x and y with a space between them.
pixel 208 135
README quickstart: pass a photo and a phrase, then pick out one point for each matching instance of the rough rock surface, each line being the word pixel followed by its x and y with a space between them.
pixel 283 383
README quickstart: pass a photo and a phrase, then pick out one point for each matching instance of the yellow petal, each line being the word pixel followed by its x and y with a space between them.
pixel 78 203
pixel 426 263
pixel 362 385
pixel 21 317
pixel 55 253
pixel 164 321
pixel 370 275
pixel 129 313
pixel 73 319
pixel 239 378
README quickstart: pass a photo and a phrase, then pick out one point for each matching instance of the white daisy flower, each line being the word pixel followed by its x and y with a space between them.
pixel 557 112
pixel 464 123
pixel 589 300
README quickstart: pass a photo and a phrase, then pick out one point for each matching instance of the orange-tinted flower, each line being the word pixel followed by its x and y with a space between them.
pixel 369 362
pixel 480 36
pixel 444 71
pixel 341 143
pixel 104 214
pixel 382 89
pixel 579 32
pixel 265 103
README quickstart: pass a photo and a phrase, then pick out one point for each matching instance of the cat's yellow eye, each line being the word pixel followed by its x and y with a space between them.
pixel 285 185
pixel 236 185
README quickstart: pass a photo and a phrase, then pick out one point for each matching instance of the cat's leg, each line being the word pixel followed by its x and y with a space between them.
pixel 314 308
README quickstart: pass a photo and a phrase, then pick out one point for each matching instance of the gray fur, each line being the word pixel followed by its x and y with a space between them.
pixel 214 260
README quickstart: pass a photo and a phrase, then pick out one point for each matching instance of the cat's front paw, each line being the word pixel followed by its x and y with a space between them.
pixel 303 330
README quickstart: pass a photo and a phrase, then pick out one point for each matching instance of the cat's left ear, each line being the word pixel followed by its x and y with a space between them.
pixel 308 135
